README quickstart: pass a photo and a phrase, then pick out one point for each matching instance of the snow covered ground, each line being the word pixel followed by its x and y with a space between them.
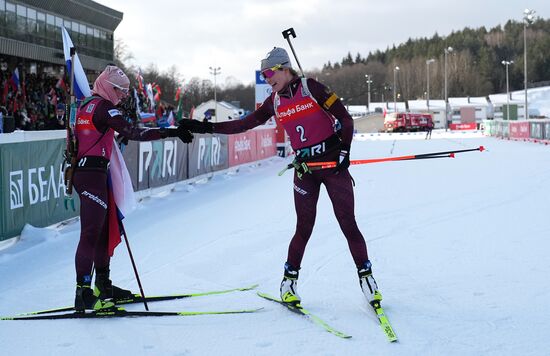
pixel 459 248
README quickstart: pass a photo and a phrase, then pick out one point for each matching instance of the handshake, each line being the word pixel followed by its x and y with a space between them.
pixel 186 129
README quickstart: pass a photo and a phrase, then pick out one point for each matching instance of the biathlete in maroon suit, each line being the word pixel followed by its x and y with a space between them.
pixel 96 123
pixel 308 111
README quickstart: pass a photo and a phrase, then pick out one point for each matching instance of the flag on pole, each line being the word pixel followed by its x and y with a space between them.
pixel 140 81
pixel 150 95
pixel 61 84
pixel 14 80
pixel 81 86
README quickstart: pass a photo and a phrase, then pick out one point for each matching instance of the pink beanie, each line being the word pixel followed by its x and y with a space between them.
pixel 110 78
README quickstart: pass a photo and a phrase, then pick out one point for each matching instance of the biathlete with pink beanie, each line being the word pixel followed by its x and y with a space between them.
pixel 97 120
pixel 308 111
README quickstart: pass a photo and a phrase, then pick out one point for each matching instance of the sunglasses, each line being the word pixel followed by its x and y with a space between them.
pixel 124 90
pixel 270 72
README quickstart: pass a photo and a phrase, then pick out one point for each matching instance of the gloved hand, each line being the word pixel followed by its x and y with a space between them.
pixel 197 126
pixel 184 135
pixel 300 168
pixel 343 159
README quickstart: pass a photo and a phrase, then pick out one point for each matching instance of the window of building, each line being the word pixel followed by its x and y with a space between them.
pixel 41 27
pixel 21 10
pixel 31 20
pixel 21 22
pixel 11 17
pixel 31 14
pixel 90 36
pixel 2 5
pixel 58 22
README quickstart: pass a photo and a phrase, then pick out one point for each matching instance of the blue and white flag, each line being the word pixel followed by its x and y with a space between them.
pixel 15 79
pixel 81 86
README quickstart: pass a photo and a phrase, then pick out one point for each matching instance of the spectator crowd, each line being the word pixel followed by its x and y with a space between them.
pixel 38 101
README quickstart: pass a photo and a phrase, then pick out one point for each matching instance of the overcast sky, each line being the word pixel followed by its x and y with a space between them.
pixel 236 34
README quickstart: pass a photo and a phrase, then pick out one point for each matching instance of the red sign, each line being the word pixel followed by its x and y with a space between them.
pixel 519 129
pixel 468 126
pixel 266 143
pixel 242 148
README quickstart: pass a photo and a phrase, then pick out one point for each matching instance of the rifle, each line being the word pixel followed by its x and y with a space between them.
pixel 71 149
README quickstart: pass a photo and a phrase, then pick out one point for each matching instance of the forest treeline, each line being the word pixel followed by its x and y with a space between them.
pixel 474 68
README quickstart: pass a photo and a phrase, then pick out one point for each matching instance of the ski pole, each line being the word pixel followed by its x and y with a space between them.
pixel 331 164
pixel 286 34
pixel 449 154
pixel 134 266
pixel 323 165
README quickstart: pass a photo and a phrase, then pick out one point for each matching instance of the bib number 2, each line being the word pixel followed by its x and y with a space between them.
pixel 302 132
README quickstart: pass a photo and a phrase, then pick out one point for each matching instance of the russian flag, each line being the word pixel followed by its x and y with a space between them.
pixel 14 80
pixel 81 86
pixel 147 116
pixel 121 197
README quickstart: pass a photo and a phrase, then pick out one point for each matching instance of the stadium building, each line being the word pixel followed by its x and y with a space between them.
pixel 30 35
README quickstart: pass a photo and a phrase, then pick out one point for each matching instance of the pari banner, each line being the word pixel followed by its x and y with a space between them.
pixel 156 163
pixel 207 154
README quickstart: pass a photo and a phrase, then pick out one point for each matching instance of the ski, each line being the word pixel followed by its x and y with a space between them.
pixel 122 313
pixel 298 309
pixel 139 299
pixel 384 322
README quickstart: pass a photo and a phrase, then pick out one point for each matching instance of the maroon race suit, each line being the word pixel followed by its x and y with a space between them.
pixel 96 121
pixel 307 111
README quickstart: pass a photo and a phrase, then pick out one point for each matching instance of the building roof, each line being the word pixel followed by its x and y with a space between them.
pixel 500 99
pixel 423 105
pixel 480 101
pixel 82 10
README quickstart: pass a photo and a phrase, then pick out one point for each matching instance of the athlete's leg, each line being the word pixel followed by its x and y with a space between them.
pixel 340 190
pixel 306 195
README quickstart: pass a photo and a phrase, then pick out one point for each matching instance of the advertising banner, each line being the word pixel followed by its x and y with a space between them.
pixel 537 130
pixel 31 186
pixel 242 148
pixel 207 153
pixel 503 129
pixel 489 127
pixel 156 163
pixel 519 129
pixel 266 145
pixel 468 126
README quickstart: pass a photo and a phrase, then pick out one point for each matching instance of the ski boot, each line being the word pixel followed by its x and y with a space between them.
pixel 86 300
pixel 368 284
pixel 105 290
pixel 289 285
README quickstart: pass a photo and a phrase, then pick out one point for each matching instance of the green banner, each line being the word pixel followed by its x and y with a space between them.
pixel 31 186
pixel 513 112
